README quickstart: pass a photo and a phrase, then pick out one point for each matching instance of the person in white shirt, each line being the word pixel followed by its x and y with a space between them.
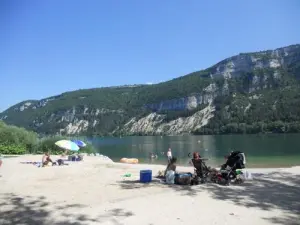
pixel 169 155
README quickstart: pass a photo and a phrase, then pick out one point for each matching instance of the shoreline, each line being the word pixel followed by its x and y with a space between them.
pixel 259 166
pixel 267 164
pixel 180 135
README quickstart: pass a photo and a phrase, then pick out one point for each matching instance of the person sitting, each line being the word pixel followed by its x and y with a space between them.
pixel 80 157
pixel 197 163
pixel 170 171
pixel 171 165
pixel 235 160
pixel 202 171
pixel 46 160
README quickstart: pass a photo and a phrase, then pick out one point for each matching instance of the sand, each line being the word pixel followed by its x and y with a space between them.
pixel 94 192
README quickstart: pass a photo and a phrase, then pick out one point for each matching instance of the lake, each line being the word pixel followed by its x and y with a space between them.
pixel 272 150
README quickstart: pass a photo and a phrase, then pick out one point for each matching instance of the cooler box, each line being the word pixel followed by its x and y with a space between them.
pixel 145 176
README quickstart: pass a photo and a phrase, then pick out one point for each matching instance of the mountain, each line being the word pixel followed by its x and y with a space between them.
pixel 247 93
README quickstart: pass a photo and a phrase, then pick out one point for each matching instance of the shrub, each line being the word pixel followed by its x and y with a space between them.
pixel 12 149
pixel 48 144
pixel 15 140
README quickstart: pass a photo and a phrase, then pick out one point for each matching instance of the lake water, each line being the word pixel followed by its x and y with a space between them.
pixel 274 150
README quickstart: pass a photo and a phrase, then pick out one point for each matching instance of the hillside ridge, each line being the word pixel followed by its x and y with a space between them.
pixel 246 93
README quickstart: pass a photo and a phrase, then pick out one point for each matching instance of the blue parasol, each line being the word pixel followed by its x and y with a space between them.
pixel 79 143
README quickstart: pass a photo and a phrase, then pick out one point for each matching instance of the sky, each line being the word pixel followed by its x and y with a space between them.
pixel 52 46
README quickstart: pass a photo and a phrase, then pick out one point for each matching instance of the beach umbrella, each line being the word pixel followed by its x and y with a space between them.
pixel 68 145
pixel 79 143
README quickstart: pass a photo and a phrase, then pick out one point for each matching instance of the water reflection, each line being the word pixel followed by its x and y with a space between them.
pixel 260 147
pixel 142 147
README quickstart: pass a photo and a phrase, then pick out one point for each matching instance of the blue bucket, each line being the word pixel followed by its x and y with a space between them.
pixel 145 176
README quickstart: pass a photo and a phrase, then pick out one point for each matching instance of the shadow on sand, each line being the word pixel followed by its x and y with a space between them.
pixel 136 184
pixel 271 191
pixel 33 211
pixel 267 192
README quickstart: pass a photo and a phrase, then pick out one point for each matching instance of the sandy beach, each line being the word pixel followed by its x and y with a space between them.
pixel 94 191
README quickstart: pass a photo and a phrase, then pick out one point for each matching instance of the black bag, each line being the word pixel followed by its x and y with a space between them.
pixel 183 178
pixel 60 162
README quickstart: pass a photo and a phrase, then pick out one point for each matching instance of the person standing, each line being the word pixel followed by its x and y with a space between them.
pixel 169 155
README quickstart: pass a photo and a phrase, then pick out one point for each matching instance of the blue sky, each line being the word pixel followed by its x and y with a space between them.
pixel 52 46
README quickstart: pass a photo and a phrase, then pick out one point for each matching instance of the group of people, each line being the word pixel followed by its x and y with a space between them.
pixel 47 161
pixel 235 160
pixel 171 167
pixel 172 160
pixel 155 156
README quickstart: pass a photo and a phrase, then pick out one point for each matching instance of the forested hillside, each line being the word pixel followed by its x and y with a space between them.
pixel 247 93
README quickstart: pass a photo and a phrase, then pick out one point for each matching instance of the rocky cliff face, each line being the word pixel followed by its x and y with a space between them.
pixel 155 124
pixel 247 62
pixel 113 111
pixel 189 102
